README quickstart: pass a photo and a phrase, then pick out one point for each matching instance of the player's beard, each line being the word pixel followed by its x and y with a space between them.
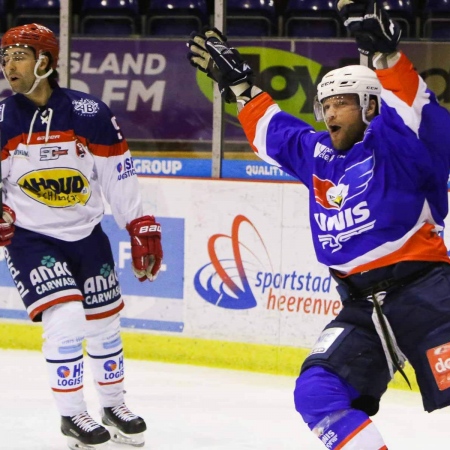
pixel 347 136
pixel 22 84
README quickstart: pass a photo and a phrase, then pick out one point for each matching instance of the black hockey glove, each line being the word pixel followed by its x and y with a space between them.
pixel 199 57
pixel 209 53
pixel 370 24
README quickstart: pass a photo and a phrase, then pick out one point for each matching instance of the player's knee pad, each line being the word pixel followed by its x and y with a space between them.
pixel 325 402
pixel 366 403
pixel 319 392
pixel 104 348
pixel 64 329
pixel 103 336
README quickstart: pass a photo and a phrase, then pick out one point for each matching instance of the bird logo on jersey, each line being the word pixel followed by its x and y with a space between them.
pixel 349 221
pixel 353 183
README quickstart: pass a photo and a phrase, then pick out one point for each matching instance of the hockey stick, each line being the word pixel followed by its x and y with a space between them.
pixel 366 60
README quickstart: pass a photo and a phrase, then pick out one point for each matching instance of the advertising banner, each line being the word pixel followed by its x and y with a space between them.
pixel 254 277
pixel 185 167
pixel 162 309
pixel 239 265
pixel 157 96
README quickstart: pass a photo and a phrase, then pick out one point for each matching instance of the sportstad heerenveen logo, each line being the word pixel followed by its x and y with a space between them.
pixel 224 281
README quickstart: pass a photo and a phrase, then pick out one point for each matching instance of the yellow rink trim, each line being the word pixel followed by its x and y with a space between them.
pixel 278 360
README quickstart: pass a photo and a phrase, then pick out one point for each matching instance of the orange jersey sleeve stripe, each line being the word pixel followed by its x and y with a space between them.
pixel 4 154
pixel 117 149
pixel 425 245
pixel 12 144
pixel 401 79
pixel 251 113
pixel 38 137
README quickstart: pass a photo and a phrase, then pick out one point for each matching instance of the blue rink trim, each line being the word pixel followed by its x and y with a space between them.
pixel 186 167
pixel 157 325
pixel 13 314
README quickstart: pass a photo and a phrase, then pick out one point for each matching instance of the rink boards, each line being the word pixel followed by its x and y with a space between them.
pixel 240 286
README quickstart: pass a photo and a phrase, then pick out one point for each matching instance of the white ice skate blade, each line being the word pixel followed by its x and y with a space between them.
pixel 135 440
pixel 75 444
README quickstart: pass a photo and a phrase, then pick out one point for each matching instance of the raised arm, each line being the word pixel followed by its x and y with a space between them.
pixel 275 136
pixel 377 38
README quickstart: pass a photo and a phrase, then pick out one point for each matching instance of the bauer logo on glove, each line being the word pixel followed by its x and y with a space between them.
pixel 146 249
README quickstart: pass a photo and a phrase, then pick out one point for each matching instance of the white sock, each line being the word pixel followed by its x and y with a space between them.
pixel 104 348
pixel 64 328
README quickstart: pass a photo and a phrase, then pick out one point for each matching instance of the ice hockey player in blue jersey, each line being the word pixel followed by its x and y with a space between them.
pixel 377 180
pixel 61 152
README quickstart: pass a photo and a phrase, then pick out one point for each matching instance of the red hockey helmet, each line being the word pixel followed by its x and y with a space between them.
pixel 36 36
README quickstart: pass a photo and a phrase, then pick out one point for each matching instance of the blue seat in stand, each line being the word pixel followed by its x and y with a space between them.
pixel 312 19
pixel 176 17
pixel 3 17
pixel 402 12
pixel 251 18
pixel 436 20
pixel 44 12
pixel 110 18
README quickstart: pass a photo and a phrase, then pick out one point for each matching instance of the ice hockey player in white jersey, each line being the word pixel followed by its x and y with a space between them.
pixel 61 150
pixel 378 198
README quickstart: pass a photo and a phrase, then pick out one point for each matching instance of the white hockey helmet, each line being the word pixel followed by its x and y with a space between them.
pixel 358 80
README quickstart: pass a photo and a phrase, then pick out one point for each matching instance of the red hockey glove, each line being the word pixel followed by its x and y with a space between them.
pixel 146 250
pixel 7 226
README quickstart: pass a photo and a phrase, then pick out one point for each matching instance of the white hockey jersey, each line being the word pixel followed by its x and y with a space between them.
pixel 57 160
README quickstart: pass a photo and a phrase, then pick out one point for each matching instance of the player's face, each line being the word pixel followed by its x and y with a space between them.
pixel 343 119
pixel 18 66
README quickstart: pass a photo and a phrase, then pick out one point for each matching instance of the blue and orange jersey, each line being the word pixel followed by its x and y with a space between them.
pixel 385 199
pixel 60 160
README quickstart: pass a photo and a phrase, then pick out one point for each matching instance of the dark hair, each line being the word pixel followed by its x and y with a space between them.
pixel 377 109
pixel 53 79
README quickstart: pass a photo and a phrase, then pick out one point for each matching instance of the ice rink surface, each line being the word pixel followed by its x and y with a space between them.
pixel 196 408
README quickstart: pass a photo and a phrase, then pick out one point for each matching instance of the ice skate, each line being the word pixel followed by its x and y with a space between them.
pixel 84 433
pixel 124 426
